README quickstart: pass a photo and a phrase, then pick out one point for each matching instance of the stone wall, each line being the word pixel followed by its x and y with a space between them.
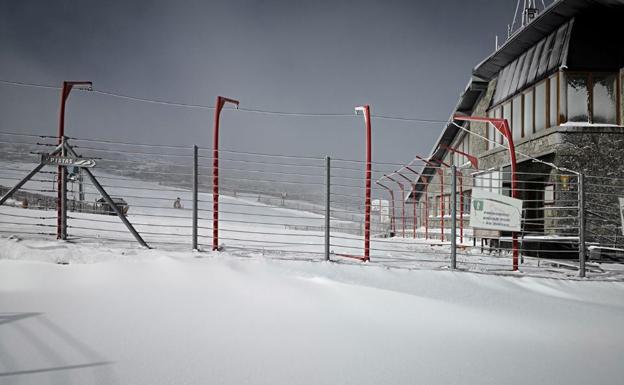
pixel 598 153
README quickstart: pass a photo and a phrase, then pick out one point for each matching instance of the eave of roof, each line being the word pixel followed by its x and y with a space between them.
pixel 465 105
pixel 546 22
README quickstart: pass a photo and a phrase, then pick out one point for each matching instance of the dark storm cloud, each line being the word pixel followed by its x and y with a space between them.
pixel 405 58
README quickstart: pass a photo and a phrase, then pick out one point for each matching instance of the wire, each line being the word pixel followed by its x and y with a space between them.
pixel 207 107
pixel 24 84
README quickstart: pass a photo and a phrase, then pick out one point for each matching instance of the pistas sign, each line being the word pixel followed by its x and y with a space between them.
pixel 492 211
pixel 67 161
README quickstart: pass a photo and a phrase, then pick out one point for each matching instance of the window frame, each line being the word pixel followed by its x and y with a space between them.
pixel 590 94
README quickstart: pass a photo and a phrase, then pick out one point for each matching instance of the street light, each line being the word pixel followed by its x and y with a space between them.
pixel 61 183
pixel 414 204
pixel 502 125
pixel 402 188
pixel 461 198
pixel 441 173
pixel 365 110
pixel 426 215
pixel 215 169
pixel 392 224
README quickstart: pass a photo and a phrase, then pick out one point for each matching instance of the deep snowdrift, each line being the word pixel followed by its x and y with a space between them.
pixel 154 317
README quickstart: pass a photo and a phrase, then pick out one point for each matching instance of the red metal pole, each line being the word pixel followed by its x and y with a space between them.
pixel 426 208
pixel 215 169
pixel 402 188
pixel 461 208
pixel 503 126
pixel 475 163
pixel 367 201
pixel 60 169
pixel 442 203
pixel 427 211
pixel 414 219
pixel 415 203
pixel 461 200
pixel 67 87
pixel 471 158
pixel 441 174
pixel 413 188
pixel 392 225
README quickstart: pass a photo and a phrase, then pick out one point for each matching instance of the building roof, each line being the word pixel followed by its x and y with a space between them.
pixel 546 26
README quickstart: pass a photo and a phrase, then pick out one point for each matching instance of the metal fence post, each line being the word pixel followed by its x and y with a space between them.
pixel 327 205
pixel 581 210
pixel 453 217
pixel 195 185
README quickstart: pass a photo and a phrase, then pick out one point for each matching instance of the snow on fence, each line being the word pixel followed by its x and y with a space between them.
pixel 299 207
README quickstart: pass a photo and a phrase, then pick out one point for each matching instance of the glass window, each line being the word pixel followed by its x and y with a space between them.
pixel 489 133
pixel 516 120
pixel 497 182
pixel 555 54
pixel 578 97
pixel 528 112
pixel 553 87
pixel 535 61
pixel 498 137
pixel 563 99
pixel 540 106
pixel 501 83
pixel 467 200
pixel 525 68
pixel 543 65
pixel 507 114
pixel 509 78
pixel 549 194
pixel 517 72
pixel 604 100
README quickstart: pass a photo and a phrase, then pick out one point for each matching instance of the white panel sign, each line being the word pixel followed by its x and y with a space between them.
pixel 67 161
pixel 622 213
pixel 382 207
pixel 492 211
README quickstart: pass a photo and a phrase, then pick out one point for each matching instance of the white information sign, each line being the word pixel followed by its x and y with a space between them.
pixel 491 211
pixel 622 213
pixel 382 207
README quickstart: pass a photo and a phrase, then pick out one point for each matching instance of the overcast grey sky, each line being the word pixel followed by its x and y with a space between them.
pixel 405 58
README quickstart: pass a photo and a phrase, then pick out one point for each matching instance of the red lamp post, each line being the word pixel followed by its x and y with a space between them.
pixel 414 204
pixel 402 188
pixel 392 224
pixel 503 127
pixel 441 173
pixel 215 168
pixel 461 200
pixel 61 221
pixel 365 110
pixel 475 164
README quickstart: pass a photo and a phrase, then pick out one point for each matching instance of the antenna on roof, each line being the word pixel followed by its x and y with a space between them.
pixel 530 12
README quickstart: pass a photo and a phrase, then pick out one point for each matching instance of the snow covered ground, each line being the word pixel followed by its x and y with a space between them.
pixel 92 311
pixel 135 316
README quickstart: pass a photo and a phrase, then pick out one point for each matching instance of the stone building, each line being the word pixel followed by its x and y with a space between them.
pixel 558 82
